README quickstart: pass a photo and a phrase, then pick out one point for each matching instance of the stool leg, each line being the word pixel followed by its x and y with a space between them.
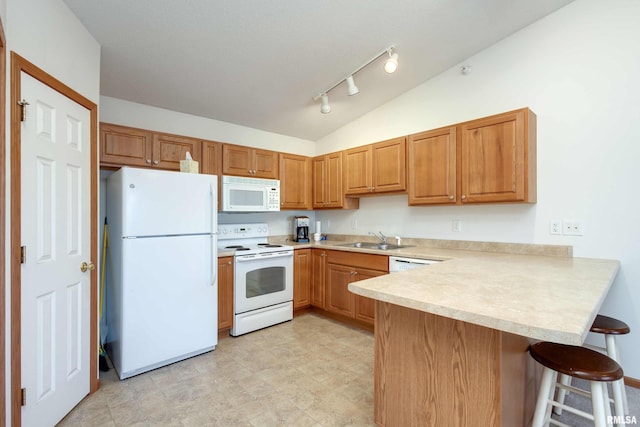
pixel 561 393
pixel 542 405
pixel 618 399
pixel 612 352
pixel 597 400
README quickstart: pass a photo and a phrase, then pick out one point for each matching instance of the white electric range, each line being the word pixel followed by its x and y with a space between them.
pixel 263 277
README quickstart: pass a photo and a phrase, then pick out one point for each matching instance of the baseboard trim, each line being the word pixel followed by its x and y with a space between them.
pixel 632 382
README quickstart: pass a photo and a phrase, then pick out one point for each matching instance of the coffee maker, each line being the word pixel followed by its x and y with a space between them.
pixel 301 229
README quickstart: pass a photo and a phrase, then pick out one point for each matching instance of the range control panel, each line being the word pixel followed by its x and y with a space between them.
pixel 242 231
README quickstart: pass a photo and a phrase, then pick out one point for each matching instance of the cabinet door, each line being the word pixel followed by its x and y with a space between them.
pixel 225 293
pixel 236 160
pixel 265 164
pixel 432 167
pixel 168 150
pixel 495 158
pixel 124 146
pixel 357 170
pixel 318 186
pixel 318 265
pixel 295 182
pixel 365 307
pixel 338 298
pixel 211 162
pixel 334 196
pixel 389 166
pixel 301 278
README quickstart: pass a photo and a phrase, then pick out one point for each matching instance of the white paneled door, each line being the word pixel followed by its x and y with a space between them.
pixel 55 167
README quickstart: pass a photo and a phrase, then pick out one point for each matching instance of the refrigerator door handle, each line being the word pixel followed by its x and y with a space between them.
pixel 214 243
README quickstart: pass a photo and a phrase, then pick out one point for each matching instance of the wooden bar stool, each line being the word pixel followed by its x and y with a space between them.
pixel 609 327
pixel 577 362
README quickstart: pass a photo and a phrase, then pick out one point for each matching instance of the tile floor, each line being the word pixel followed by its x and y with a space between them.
pixel 308 372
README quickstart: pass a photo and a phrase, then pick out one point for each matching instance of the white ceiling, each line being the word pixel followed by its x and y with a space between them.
pixel 259 63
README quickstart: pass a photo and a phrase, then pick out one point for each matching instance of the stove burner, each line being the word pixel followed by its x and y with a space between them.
pixel 234 247
pixel 243 249
pixel 269 245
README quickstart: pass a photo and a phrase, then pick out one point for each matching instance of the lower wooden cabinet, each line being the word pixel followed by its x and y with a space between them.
pixel 318 269
pixel 225 293
pixel 301 278
pixel 346 267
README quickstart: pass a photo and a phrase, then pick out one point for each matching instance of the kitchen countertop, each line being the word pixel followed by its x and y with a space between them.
pixel 540 297
pixel 524 291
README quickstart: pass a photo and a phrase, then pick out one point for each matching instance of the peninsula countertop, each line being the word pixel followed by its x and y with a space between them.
pixel 540 297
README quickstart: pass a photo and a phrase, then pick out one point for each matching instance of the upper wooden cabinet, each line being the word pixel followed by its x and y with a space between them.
pixel 211 162
pixel 376 168
pixel 295 181
pixel 251 162
pixel 488 160
pixel 327 183
pixel 126 146
pixel 168 150
pixel 498 158
pixel 432 167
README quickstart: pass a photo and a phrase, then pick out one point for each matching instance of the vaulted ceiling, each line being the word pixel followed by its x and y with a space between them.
pixel 259 63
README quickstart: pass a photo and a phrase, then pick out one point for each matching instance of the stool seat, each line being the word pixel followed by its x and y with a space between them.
pixel 609 325
pixel 577 362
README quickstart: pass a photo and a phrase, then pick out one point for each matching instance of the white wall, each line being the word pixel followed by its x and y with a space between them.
pixel 46 33
pixel 578 70
pixel 127 113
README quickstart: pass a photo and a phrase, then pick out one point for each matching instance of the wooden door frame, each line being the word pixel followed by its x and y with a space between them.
pixel 3 205
pixel 18 66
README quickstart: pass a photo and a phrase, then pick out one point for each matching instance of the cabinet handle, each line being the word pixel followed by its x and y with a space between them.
pixel 148 161
pixel 451 197
pixel 463 197
pixel 155 162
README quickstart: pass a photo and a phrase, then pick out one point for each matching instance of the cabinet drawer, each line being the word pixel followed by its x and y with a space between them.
pixel 355 259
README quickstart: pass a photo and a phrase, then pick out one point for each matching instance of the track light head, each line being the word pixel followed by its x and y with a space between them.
pixel 391 64
pixel 325 108
pixel 352 89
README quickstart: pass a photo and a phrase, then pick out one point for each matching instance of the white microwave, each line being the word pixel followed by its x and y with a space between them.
pixel 240 194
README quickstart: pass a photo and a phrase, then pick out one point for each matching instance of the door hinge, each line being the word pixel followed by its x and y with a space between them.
pixel 23 254
pixel 23 110
pixel 23 397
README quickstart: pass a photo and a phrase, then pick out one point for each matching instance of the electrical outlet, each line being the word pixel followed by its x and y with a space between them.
pixel 456 226
pixel 354 224
pixel 555 226
pixel 327 224
pixel 572 228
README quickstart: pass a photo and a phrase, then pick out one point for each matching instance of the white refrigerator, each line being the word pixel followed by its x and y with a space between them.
pixel 162 300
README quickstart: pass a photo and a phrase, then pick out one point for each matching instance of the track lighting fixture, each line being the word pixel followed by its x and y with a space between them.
pixel 352 89
pixel 390 65
pixel 325 108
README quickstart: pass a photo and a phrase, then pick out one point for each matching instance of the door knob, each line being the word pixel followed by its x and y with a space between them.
pixel 87 266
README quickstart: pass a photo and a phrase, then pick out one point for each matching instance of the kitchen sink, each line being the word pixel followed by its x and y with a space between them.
pixel 374 245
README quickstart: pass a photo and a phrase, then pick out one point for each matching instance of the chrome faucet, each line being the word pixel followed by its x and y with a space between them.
pixel 382 237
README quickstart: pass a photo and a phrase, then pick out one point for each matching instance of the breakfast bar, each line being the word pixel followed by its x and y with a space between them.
pixel 451 339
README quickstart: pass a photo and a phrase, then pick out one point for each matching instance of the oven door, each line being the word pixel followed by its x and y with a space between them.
pixel 262 280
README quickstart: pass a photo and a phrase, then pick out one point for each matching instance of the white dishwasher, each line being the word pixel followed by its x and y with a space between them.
pixel 397 264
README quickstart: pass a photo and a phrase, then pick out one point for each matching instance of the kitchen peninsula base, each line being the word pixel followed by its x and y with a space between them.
pixel 433 371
